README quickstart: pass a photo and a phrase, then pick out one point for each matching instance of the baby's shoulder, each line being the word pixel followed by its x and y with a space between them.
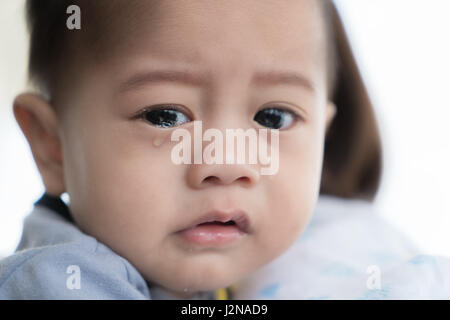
pixel 56 260
pixel 345 252
pixel 356 228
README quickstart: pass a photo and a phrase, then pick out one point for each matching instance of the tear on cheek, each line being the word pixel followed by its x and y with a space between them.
pixel 161 139
pixel 157 142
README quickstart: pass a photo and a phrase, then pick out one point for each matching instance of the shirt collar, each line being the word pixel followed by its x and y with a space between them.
pixel 55 204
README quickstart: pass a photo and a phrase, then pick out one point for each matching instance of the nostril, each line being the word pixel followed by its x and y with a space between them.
pixel 212 179
pixel 244 179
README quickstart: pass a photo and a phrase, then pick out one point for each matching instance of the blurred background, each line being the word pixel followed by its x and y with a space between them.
pixel 403 50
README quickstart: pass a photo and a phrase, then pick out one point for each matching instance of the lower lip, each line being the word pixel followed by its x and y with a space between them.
pixel 211 234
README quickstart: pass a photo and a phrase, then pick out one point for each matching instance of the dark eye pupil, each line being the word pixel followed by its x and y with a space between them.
pixel 163 117
pixel 272 118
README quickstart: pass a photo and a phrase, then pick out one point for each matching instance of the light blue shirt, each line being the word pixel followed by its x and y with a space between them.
pixel 56 260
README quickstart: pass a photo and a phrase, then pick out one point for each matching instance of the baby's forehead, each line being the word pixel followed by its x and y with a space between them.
pixel 267 30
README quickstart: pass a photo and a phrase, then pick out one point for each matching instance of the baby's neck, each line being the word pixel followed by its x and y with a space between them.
pixel 159 291
pixel 181 295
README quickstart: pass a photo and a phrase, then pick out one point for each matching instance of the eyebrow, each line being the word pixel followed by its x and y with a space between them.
pixel 189 78
pixel 283 77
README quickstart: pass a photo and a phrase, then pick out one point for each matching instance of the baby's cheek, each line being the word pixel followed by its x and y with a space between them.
pixel 292 195
pixel 288 221
pixel 130 194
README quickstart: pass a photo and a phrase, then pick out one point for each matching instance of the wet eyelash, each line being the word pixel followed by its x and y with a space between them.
pixel 141 113
pixel 296 115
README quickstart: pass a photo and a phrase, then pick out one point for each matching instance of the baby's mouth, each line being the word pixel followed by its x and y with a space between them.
pixel 216 228
pixel 228 223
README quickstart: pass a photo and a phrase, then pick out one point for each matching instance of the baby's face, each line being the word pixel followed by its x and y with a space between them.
pixel 124 187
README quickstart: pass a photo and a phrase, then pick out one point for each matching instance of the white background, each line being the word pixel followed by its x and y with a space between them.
pixel 403 50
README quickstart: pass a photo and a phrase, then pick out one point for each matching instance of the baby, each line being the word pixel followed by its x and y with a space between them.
pixel 112 91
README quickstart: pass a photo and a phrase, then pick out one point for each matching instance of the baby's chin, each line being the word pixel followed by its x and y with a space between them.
pixel 207 275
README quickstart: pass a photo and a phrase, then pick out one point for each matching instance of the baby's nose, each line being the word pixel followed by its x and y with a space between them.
pixel 204 175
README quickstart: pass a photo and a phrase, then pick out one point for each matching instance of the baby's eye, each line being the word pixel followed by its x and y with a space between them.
pixel 276 118
pixel 165 116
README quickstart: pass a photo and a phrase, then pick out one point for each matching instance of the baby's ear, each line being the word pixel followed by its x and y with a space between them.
pixel 39 123
pixel 330 114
